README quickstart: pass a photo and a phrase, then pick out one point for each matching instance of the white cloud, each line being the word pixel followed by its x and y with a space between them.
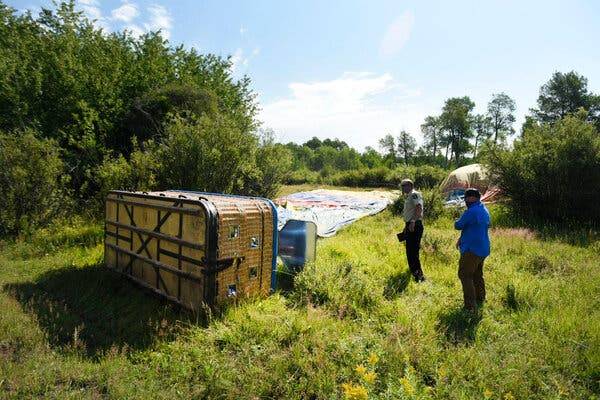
pixel 238 60
pixel 242 30
pixel 397 34
pixel 91 8
pixel 135 30
pixel 127 16
pixel 160 19
pixel 126 13
pixel 359 108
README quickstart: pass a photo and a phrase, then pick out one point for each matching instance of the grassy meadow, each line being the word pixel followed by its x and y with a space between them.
pixel 353 325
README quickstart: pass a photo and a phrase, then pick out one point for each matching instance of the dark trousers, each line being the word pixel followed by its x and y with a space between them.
pixel 470 273
pixel 413 245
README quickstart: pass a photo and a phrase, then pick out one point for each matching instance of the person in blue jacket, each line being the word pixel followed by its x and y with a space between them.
pixel 474 246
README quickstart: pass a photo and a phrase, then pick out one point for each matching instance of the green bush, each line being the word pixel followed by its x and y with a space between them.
pixel 91 91
pixel 425 176
pixel 148 113
pixel 206 154
pixel 273 162
pixel 553 172
pixel 301 176
pixel 137 173
pixel 31 180
pixel 366 177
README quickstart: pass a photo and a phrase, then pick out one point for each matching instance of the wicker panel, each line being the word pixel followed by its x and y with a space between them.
pixel 159 240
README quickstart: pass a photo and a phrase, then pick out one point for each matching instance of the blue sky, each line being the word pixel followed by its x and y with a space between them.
pixel 357 70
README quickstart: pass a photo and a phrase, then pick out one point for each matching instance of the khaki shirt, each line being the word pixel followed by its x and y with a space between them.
pixel 409 212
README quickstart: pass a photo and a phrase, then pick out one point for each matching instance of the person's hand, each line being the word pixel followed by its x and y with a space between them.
pixel 411 226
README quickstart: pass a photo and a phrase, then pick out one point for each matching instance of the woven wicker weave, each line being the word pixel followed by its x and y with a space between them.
pixel 192 248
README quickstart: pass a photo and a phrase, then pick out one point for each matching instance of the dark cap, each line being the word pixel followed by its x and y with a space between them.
pixel 472 192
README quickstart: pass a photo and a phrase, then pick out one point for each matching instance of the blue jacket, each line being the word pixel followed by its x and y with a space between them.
pixel 474 224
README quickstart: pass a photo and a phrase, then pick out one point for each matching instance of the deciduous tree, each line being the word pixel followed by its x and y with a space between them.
pixel 501 116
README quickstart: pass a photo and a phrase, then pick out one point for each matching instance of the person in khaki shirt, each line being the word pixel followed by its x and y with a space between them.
pixel 412 214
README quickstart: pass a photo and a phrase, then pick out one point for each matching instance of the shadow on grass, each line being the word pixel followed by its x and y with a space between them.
pixel 396 284
pixel 93 310
pixel 286 276
pixel 459 326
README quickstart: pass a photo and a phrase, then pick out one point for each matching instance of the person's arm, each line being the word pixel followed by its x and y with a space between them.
pixel 419 211
pixel 418 215
pixel 463 221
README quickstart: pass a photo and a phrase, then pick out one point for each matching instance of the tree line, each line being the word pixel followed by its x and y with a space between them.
pixel 83 111
pixel 457 135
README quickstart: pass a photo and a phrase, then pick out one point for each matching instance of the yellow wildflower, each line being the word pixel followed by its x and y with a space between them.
pixel 509 396
pixel 487 394
pixel 442 372
pixel 373 359
pixel 407 386
pixel 370 377
pixel 355 392
pixel 360 369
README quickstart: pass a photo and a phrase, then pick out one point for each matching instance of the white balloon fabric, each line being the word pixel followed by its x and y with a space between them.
pixel 331 210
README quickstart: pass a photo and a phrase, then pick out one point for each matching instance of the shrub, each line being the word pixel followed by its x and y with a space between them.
pixel 31 180
pixel 273 162
pixel 300 176
pixel 367 177
pixel 148 113
pixel 206 154
pixel 137 173
pixel 553 172
pixel 425 176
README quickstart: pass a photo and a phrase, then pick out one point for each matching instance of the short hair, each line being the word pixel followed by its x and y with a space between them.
pixel 472 192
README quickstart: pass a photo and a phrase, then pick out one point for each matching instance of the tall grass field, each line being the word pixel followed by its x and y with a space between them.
pixel 351 326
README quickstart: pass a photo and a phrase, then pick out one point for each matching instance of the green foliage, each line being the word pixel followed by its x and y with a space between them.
pixel 205 154
pixel 317 155
pixel 100 89
pixel 273 164
pixel 566 93
pixel 345 290
pixel 32 181
pixel 500 112
pixel 432 133
pixel 456 119
pixel 553 172
pixel 69 326
pixel 425 176
pixel 137 173
pixel 406 146
pixel 301 176
pixel 372 177
pixel 148 113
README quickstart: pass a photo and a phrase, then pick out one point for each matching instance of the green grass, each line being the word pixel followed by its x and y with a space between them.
pixel 71 329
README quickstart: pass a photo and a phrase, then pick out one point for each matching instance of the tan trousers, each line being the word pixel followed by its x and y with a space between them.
pixel 470 273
